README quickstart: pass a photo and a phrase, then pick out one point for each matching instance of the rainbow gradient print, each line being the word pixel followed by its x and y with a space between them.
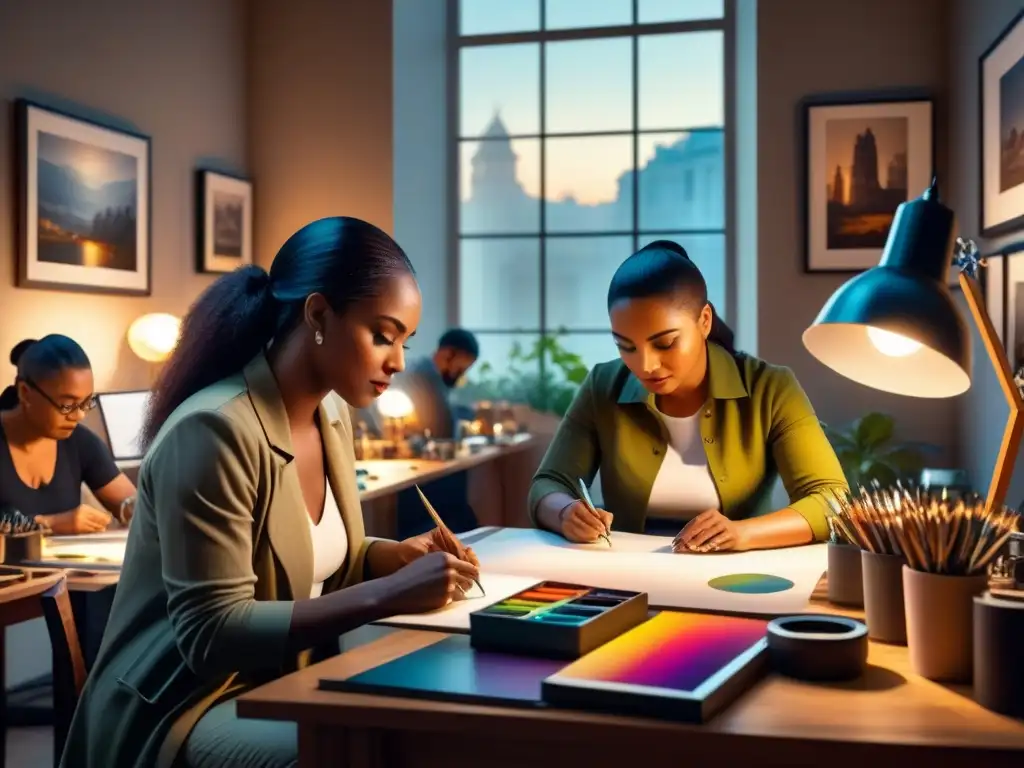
pixel 677 651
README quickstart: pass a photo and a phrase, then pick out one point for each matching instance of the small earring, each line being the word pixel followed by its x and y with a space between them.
pixel 318 338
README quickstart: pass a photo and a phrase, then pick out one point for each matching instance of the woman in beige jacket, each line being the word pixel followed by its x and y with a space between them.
pixel 247 549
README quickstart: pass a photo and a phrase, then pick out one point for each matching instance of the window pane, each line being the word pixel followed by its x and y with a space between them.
pixel 578 271
pixel 654 11
pixel 682 180
pixel 485 17
pixel 589 86
pixel 708 253
pixel 499 372
pixel 681 79
pixel 488 270
pixel 499 186
pixel 593 348
pixel 575 14
pixel 500 84
pixel 588 184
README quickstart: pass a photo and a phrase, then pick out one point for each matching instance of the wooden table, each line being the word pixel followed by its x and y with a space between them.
pixel 887 718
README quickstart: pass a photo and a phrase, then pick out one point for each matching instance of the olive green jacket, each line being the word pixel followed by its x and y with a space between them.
pixel 757 425
pixel 219 549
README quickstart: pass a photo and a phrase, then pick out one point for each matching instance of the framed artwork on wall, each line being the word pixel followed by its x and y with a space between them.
pixel 223 222
pixel 1013 310
pixel 1001 131
pixel 863 159
pixel 992 279
pixel 84 204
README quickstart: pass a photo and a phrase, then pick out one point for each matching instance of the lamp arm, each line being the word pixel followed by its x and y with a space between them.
pixel 1003 471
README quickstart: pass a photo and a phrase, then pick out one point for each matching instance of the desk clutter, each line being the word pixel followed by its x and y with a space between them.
pixel 21 537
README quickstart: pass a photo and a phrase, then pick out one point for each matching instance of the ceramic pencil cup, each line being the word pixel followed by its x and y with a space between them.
pixel 940 632
pixel 845 575
pixel 883 597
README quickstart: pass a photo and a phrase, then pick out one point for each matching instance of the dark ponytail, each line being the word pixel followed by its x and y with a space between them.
pixel 344 259
pixel 40 361
pixel 663 268
pixel 227 326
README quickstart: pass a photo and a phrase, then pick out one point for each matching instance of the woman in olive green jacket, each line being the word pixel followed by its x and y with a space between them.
pixel 246 550
pixel 686 432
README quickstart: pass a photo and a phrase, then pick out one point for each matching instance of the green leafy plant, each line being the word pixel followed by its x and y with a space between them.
pixel 867 452
pixel 544 375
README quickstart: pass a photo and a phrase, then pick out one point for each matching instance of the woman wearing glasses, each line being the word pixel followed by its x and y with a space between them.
pixel 45 453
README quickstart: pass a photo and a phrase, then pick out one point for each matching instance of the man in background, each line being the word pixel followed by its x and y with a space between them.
pixel 428 381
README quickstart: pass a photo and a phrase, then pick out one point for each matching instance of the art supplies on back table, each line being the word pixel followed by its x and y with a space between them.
pixel 676 666
pixel 556 620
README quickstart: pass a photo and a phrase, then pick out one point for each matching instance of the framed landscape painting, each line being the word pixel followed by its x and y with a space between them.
pixel 1001 89
pixel 863 160
pixel 84 204
pixel 224 222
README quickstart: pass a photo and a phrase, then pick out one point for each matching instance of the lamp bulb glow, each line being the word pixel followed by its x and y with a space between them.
pixel 892 344
pixel 394 404
pixel 153 337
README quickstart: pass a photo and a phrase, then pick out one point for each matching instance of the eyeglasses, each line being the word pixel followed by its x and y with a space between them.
pixel 65 409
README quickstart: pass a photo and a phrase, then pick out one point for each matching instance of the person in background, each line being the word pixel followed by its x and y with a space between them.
pixel 45 453
pixel 428 381
pixel 247 555
pixel 685 429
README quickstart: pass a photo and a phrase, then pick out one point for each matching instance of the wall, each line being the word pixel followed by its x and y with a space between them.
pixel 172 69
pixel 983 413
pixel 811 47
pixel 320 115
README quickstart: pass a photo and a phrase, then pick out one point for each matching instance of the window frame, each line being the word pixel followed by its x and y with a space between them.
pixel 454 138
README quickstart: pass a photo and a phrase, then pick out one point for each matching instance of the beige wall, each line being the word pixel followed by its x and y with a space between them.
pixel 319 114
pixel 983 413
pixel 172 69
pixel 822 47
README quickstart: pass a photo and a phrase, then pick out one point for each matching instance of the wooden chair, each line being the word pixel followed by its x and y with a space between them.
pixel 68 664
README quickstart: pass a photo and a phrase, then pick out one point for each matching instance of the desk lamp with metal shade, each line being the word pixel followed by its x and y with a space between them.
pixel 896 327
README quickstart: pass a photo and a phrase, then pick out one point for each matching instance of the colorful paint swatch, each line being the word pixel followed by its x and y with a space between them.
pixel 751 583
pixel 451 669
pixel 677 651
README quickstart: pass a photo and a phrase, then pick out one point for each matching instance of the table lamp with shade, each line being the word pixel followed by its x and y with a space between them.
pixel 153 337
pixel 896 327
pixel 395 407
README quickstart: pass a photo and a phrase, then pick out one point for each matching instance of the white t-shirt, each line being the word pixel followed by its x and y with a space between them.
pixel 683 487
pixel 330 542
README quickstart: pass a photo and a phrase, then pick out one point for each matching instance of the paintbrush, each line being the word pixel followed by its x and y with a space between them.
pixel 449 540
pixel 933 533
pixel 585 498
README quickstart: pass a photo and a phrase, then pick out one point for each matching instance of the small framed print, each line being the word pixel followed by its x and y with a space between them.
pixel 863 160
pixel 224 222
pixel 1001 92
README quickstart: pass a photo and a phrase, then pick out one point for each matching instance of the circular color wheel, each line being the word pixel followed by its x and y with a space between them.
pixel 750 583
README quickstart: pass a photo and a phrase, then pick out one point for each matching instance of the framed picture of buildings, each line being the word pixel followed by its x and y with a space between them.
pixel 1001 91
pixel 84 204
pixel 224 222
pixel 862 160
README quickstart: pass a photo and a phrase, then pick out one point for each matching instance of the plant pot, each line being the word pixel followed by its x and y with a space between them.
pixel 939 612
pixel 883 597
pixel 845 575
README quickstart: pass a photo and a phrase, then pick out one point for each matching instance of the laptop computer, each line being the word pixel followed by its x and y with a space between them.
pixel 123 414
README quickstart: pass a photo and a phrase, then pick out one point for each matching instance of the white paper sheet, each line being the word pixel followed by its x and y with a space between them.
pixel 670 580
pixel 454 617
pixel 90 548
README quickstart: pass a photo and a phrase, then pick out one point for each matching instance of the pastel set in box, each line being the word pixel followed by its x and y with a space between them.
pixel 556 620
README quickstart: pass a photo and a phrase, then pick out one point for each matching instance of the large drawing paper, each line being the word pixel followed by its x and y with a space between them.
pixel 670 580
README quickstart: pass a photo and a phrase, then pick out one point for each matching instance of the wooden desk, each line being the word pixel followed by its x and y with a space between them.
pixel 887 718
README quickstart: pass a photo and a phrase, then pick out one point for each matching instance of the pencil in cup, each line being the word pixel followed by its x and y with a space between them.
pixel 451 542
pixel 585 498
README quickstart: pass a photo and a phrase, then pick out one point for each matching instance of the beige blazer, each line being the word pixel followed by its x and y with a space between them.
pixel 219 548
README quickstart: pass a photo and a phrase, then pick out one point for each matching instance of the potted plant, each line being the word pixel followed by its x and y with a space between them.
pixel 868 454
pixel 543 375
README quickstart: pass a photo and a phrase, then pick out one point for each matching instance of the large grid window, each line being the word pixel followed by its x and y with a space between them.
pixel 586 129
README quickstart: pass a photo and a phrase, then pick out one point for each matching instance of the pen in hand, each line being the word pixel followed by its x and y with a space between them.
pixel 585 498
pixel 450 541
